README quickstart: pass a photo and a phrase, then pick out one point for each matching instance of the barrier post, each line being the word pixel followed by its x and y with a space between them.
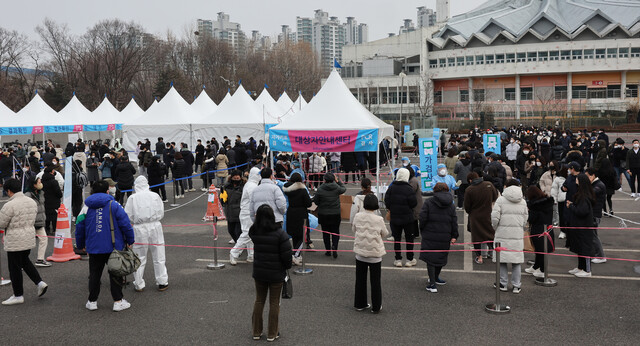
pixel 546 281
pixel 175 192
pixel 215 265
pixel 303 270
pixel 2 280
pixel 497 308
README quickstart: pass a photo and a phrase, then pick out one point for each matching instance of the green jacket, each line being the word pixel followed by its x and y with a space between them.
pixel 327 198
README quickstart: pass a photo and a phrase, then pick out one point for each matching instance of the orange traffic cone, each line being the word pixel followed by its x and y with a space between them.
pixel 214 207
pixel 62 246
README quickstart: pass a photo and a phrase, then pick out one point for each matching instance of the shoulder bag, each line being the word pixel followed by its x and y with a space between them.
pixel 121 263
pixel 287 287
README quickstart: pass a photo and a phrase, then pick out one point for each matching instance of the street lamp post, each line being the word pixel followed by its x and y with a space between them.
pixel 401 75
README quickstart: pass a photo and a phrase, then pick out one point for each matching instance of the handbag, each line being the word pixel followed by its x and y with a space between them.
pixel 287 287
pixel 121 263
pixel 528 245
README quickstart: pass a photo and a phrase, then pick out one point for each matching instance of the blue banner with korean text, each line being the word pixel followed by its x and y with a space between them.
pixel 491 143
pixel 428 150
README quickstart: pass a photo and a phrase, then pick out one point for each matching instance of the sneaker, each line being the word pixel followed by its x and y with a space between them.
pixel 364 308
pixel 411 263
pixel 232 241
pixel 42 263
pixel 274 339
pixel 377 311
pixel 13 300
pixel 250 259
pixel 162 288
pixel 432 289
pixel 391 238
pixel 42 288
pixel 121 305
pixel 459 208
pixel 529 270
pixel 165 201
pixel 440 282
pixel 192 190
pixel 138 289
pixel 531 262
pixel 205 190
pixel 633 195
pixel 478 259
pixel 562 235
pixel 257 337
pixel 538 273
pixel 516 290
pixel 574 270
pixel 583 274
pixel 296 261
pixel 502 288
pixel 397 263
pixel 232 260
pixel 91 306
pixel 598 260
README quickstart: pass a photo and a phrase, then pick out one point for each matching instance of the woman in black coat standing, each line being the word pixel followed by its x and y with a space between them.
pixel 297 212
pixel 400 200
pixel 178 171
pixel 582 239
pixel 439 229
pixel 52 198
pixel 124 177
pixel 540 215
pixel 271 260
pixel 348 161
pixel 156 173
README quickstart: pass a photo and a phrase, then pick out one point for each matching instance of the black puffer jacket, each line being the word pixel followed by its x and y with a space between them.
pixel 439 224
pixel 178 168
pixel 52 192
pixel 327 198
pixel 232 207
pixel 124 173
pixel 540 214
pixel 581 240
pixel 40 218
pixel 155 173
pixel 400 200
pixel 299 202
pixel 188 158
pixel 600 191
pixel 272 254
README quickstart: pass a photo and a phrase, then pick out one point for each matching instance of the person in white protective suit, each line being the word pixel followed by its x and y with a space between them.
pixel 145 210
pixel 244 241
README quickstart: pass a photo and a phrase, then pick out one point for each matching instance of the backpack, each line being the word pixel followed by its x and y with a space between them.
pixel 80 179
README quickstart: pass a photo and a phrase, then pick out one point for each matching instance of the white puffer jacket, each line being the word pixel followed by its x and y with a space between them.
pixel 556 190
pixel 315 164
pixel 508 218
pixel 369 229
pixel 245 201
pixel 17 218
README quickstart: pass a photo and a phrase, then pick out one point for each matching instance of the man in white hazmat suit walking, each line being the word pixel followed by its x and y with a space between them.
pixel 245 218
pixel 145 210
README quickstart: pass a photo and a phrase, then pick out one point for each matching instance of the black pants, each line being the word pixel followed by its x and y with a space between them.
pixel 190 183
pixel 396 231
pixel 330 223
pixel 348 174
pixel 120 195
pixel 17 262
pixel 460 193
pixel 610 203
pixel 160 190
pixel 295 228
pixel 434 273
pixel 234 229
pixel 635 179
pixel 96 266
pixel 584 264
pixel 360 300
pixel 51 220
pixel 539 262
pixel 76 201
pixel 478 248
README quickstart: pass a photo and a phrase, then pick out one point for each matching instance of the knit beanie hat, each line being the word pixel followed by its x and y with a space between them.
pixel 403 175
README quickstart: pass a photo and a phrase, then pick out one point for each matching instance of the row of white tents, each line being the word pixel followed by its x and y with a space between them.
pixel 333 109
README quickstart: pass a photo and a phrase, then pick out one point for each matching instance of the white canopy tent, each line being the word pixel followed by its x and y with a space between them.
pixel 74 113
pixel 272 112
pixel 299 104
pixel 105 113
pixel 129 113
pixel 203 104
pixel 171 118
pixel 226 98
pixel 285 101
pixel 239 115
pixel 38 113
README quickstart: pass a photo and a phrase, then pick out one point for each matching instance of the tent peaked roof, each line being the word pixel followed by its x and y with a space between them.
pixel 8 117
pixel 106 113
pixel 300 103
pixel 333 109
pixel 225 99
pixel 273 113
pixel 38 113
pixel 5 111
pixel 74 113
pixel 131 112
pixel 171 110
pixel 239 109
pixel 285 101
pixel 203 104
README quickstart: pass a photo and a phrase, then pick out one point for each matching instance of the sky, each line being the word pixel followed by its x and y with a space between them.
pixel 159 16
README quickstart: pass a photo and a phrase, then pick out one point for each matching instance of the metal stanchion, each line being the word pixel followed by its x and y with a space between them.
pixel 215 265
pixel 546 281
pixel 175 192
pixel 497 308
pixel 2 280
pixel 303 270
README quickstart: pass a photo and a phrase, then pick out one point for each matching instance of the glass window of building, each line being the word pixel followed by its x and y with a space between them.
pixel 532 56
pixel 479 59
pixel 576 54
pixel 632 91
pixel 437 97
pixel 464 95
pixel 526 93
pixel 635 52
pixel 554 55
pixel 489 59
pixel 413 95
pixel 600 53
pixel 588 53
pixel 499 58
pixel 511 57
pixel 561 93
pixel 597 93
pixel 623 52
pixel 565 55
pixel 443 63
pixel 460 61
pixel 579 92
pixel 612 53
pixel 433 63
pixel 451 62
pixel 478 95
pixel 470 60
pixel 522 57
pixel 613 92
pixel 543 56
pixel 510 94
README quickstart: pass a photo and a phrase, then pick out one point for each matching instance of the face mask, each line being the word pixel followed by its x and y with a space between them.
pixel 538 164
pixel 39 185
pixel 442 172
pixel 405 164
pixel 636 146
pixel 112 190
pixel 526 152
pixel 564 135
pixel 512 141
pixel 552 168
pixel 235 182
pixel 593 142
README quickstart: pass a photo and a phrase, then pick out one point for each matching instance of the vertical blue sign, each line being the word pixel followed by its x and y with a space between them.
pixel 491 143
pixel 407 128
pixel 428 162
pixel 436 135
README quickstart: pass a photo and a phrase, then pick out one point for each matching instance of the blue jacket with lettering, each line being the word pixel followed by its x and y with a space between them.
pixel 93 230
